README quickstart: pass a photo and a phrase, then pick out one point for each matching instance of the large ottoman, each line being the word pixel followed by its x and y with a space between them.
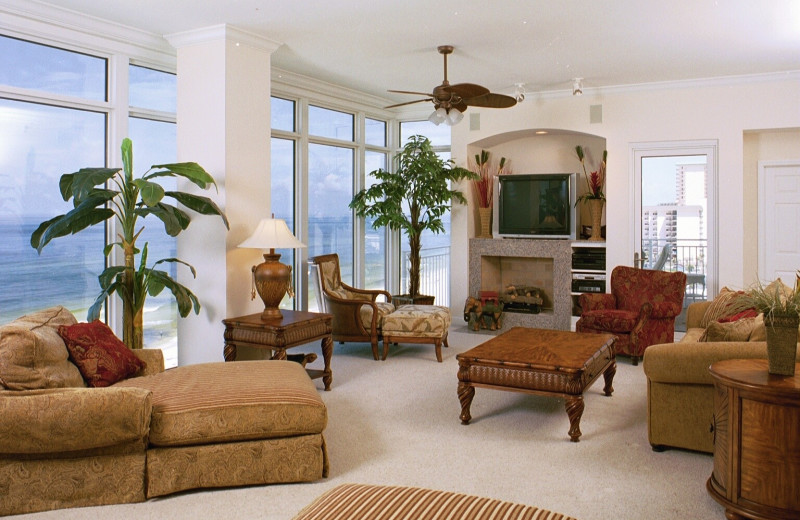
pixel 370 502
pixel 417 324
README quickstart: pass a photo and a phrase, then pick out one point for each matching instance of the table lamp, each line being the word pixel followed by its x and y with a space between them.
pixel 272 278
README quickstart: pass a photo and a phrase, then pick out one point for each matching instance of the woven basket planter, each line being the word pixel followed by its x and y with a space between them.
pixel 782 343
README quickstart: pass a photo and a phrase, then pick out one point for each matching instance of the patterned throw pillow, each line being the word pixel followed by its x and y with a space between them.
pixel 738 330
pixel 100 356
pixel 726 304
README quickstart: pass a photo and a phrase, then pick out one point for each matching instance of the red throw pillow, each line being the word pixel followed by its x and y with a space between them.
pixel 100 356
pixel 747 313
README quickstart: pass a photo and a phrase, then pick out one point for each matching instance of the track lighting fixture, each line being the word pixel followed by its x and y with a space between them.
pixel 577 86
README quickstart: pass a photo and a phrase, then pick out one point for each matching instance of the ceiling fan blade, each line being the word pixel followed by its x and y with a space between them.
pixel 466 90
pixel 409 103
pixel 491 100
pixel 461 107
pixel 410 92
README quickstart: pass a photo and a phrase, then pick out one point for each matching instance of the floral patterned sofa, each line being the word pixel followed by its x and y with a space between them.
pixel 151 433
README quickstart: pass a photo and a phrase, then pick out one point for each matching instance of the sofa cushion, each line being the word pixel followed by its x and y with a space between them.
pixel 33 355
pixel 224 402
pixel 100 356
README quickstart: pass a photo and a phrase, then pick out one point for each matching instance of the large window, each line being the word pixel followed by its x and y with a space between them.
pixel 56 118
pixel 326 162
pixel 38 143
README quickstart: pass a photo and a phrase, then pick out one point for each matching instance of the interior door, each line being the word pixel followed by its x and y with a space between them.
pixel 778 220
pixel 674 213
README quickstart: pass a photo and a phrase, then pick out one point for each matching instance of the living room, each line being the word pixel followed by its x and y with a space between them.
pixel 750 117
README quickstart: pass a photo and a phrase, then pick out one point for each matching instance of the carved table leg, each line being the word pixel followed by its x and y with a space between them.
pixel 327 352
pixel 229 352
pixel 280 353
pixel 608 376
pixel 574 406
pixel 465 394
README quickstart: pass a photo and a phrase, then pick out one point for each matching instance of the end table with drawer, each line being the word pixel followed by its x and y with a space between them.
pixel 279 334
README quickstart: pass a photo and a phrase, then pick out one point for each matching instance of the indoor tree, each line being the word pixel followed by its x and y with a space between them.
pixel 412 198
pixel 100 194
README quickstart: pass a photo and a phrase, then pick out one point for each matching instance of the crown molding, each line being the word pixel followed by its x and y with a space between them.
pixel 222 32
pixel 34 18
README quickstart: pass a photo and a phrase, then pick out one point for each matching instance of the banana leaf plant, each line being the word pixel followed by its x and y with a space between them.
pixel 100 194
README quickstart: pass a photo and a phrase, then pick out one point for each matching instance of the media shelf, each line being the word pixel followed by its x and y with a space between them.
pixel 588 272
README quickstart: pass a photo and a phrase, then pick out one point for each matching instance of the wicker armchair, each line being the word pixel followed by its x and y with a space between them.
pixel 640 310
pixel 357 315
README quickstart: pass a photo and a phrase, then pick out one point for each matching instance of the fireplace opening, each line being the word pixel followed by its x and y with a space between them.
pixel 527 283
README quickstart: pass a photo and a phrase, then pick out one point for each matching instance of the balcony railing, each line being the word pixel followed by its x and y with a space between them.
pixel 686 255
pixel 434 277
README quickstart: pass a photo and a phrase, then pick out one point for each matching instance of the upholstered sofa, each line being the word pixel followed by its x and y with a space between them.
pixel 63 444
pixel 680 390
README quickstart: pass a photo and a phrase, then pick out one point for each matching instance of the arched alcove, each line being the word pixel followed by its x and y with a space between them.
pixel 542 150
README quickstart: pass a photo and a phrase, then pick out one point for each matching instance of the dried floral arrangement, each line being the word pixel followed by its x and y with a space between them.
pixel 486 170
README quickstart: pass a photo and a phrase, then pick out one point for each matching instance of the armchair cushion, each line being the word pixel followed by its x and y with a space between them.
pixel 100 356
pixel 365 312
pixel 611 320
pixel 33 355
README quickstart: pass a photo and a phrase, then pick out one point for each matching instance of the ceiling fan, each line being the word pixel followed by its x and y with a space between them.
pixel 450 101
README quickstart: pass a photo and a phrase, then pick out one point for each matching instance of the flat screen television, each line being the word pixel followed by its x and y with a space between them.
pixel 535 206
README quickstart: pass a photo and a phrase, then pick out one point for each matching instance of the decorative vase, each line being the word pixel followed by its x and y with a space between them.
pixel 485 215
pixel 596 209
pixel 781 343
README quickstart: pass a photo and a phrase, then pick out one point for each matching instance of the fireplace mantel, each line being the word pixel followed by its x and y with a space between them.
pixel 560 251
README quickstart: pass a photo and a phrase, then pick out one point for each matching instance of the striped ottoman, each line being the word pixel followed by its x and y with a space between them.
pixel 367 502
pixel 417 324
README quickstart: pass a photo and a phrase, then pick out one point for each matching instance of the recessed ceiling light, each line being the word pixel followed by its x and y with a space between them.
pixel 541 132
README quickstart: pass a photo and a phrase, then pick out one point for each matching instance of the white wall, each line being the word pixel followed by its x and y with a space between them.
pixel 723 111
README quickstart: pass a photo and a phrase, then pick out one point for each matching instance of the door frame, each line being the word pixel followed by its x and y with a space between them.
pixel 707 147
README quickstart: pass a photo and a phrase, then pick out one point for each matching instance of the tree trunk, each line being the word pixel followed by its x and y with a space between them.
pixel 415 244
pixel 130 336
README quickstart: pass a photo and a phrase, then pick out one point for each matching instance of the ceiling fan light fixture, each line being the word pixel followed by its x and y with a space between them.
pixel 454 116
pixel 438 116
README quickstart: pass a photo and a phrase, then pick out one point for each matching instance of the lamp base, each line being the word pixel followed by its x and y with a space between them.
pixel 272 278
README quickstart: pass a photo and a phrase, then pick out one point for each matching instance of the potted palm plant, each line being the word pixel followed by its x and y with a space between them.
pixel 413 198
pixel 100 194
pixel 781 308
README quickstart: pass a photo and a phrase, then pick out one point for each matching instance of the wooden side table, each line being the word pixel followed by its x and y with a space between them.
pixel 293 329
pixel 756 441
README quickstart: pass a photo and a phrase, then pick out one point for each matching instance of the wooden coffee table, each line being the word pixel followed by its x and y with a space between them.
pixel 539 361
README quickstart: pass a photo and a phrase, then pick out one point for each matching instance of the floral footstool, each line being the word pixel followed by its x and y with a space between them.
pixel 417 324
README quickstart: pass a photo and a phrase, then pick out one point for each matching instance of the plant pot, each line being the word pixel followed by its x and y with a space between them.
pixel 485 216
pixel 782 343
pixel 596 209
pixel 407 299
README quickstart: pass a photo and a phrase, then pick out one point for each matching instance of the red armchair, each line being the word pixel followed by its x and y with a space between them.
pixel 640 310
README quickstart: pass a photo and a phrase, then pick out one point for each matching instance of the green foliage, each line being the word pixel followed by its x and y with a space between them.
pixel 414 196
pixel 773 299
pixel 99 194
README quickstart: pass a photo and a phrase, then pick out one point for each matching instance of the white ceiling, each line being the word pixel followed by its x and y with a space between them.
pixel 375 45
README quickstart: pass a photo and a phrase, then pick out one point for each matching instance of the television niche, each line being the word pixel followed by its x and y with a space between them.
pixel 534 206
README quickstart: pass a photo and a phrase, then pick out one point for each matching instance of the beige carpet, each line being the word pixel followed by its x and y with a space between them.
pixel 397 422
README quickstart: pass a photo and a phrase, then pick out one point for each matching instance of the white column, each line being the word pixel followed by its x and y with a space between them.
pixel 224 125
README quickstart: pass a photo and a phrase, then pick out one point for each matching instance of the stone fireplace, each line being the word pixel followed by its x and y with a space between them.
pixel 546 264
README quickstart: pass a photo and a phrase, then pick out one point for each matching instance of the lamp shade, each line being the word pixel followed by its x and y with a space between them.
pixel 272 233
